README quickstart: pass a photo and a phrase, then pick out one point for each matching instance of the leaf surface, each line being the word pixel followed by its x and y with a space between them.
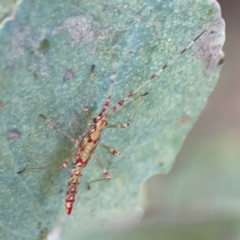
pixel 46 52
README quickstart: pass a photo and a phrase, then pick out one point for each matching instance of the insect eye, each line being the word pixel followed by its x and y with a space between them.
pixel 95 120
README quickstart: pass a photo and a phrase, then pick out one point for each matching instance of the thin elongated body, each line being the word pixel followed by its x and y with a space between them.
pixel 91 139
pixel 85 150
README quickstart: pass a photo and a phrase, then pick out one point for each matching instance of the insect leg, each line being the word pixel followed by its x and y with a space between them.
pixel 111 150
pixel 127 124
pixel 64 165
pixel 106 173
pixel 156 74
pixel 58 129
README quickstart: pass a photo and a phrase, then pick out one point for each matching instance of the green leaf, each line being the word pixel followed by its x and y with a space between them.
pixel 47 50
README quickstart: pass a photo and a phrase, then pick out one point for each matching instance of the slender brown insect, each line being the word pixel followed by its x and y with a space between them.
pixel 87 143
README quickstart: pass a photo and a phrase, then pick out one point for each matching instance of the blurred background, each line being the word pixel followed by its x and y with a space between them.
pixel 200 197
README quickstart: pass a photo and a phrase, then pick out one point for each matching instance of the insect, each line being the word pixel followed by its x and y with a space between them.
pixel 88 142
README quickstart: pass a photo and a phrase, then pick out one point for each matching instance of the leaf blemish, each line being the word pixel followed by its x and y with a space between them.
pixel 13 134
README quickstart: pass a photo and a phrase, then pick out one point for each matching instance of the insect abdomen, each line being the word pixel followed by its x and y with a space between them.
pixel 73 182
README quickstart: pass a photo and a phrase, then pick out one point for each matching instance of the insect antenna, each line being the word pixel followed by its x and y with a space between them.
pixel 85 108
pixel 109 97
